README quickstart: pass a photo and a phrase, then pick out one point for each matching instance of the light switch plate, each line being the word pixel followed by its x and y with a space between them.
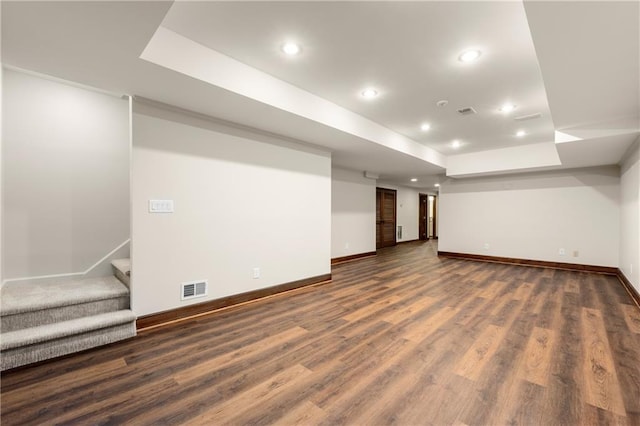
pixel 160 206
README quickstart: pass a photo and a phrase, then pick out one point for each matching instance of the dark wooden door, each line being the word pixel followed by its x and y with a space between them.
pixel 423 217
pixel 385 217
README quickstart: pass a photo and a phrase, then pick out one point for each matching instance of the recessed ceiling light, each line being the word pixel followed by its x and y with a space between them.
pixel 437 185
pixel 506 108
pixel 469 55
pixel 369 93
pixel 425 127
pixel 520 133
pixel 455 144
pixel 291 48
pixel 414 179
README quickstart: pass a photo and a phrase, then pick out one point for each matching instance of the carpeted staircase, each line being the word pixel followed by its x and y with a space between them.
pixel 49 319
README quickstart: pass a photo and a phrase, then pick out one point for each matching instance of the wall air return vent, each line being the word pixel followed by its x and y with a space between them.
pixel 467 111
pixel 528 117
pixel 193 289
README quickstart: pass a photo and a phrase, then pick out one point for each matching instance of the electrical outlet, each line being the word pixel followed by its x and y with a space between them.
pixel 562 252
pixel 576 253
pixel 256 273
pixel 346 246
pixel 486 246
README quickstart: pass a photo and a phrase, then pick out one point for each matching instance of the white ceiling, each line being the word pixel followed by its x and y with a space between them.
pixel 408 51
pixel 589 53
pixel 575 62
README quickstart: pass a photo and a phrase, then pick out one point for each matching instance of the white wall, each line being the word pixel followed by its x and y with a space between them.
pixel 353 213
pixel 502 160
pixel 65 153
pixel 407 205
pixel 240 203
pixel 1 171
pixel 532 216
pixel 630 216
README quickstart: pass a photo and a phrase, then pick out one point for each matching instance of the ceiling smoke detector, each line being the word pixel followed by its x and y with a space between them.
pixel 442 103
pixel 467 111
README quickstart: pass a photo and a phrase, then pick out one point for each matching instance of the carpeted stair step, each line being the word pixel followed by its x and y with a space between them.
pixel 122 270
pixel 42 342
pixel 31 305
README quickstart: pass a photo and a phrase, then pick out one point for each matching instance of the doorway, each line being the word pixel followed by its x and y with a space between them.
pixel 427 217
pixel 385 217
pixel 433 214
pixel 423 217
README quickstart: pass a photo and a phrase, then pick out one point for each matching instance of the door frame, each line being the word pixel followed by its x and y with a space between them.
pixel 379 204
pixel 435 217
pixel 423 223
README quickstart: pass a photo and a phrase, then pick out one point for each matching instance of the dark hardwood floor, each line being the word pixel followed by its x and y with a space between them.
pixel 402 338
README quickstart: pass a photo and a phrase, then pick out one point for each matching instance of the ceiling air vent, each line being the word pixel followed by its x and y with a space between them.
pixel 467 111
pixel 528 117
pixel 194 289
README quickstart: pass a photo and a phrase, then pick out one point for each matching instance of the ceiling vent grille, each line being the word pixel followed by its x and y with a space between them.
pixel 467 111
pixel 528 117
pixel 194 289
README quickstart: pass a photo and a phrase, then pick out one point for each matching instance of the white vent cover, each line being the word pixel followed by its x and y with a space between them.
pixel 467 111
pixel 528 117
pixel 193 289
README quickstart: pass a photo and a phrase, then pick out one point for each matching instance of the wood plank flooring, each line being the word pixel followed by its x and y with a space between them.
pixel 403 338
